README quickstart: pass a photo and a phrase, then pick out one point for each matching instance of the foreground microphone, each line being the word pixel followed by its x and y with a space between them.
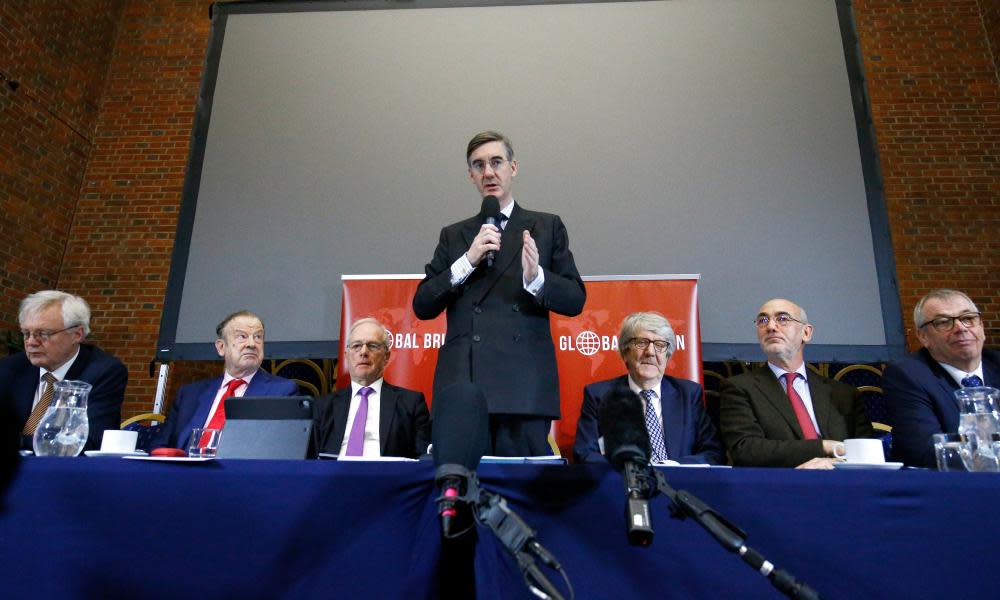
pixel 460 434
pixel 490 212
pixel 626 444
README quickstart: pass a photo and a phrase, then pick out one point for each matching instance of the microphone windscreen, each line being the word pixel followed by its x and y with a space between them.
pixel 490 208
pixel 460 430
pixel 623 427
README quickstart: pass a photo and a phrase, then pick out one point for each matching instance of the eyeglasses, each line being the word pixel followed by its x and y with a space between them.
pixel 43 335
pixel 780 319
pixel 372 346
pixel 943 324
pixel 642 343
pixel 495 163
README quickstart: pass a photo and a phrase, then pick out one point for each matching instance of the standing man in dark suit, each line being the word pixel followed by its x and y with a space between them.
pixel 782 415
pixel 678 426
pixel 372 417
pixel 920 388
pixel 240 343
pixel 54 325
pixel 498 316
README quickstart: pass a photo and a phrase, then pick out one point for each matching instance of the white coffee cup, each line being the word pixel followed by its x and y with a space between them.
pixel 860 450
pixel 118 441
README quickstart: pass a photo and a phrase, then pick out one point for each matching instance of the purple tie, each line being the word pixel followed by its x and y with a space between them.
pixel 356 443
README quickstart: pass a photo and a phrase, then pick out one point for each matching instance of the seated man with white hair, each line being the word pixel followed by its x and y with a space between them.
pixel 54 325
pixel 678 426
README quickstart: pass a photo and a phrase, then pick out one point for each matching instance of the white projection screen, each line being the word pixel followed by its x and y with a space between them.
pixel 729 138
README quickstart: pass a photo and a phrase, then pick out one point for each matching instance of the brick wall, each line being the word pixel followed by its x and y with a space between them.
pixel 120 244
pixel 58 54
pixel 932 78
pixel 934 94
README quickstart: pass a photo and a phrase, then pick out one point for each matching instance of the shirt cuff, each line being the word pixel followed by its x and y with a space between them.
pixel 460 270
pixel 535 287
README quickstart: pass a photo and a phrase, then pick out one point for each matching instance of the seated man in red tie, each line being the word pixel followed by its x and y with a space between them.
pixel 782 415
pixel 240 343
pixel 372 417
pixel 679 429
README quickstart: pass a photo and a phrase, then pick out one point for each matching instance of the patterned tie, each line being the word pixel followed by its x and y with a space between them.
pixel 43 404
pixel 654 428
pixel 808 430
pixel 356 443
pixel 219 418
pixel 972 381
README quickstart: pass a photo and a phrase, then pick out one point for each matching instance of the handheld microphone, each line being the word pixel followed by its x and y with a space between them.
pixel 459 433
pixel 626 445
pixel 490 212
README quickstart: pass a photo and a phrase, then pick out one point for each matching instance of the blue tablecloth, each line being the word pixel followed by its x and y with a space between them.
pixel 294 529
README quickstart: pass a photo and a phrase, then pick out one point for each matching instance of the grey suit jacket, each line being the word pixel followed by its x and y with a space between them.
pixel 759 426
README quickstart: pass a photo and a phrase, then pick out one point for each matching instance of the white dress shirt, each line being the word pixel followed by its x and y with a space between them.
pixel 226 378
pixel 373 444
pixel 59 374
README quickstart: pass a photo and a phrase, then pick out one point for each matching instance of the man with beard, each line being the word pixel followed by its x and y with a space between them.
pixel 782 415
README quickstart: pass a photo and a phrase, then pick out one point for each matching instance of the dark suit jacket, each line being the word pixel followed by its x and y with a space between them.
pixel 498 334
pixel 194 401
pixel 920 400
pixel 759 426
pixel 404 422
pixel 687 430
pixel 19 380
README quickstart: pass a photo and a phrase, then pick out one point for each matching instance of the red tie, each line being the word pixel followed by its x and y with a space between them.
pixel 218 420
pixel 808 431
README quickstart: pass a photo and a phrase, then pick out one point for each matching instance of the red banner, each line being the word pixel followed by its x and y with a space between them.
pixel 586 345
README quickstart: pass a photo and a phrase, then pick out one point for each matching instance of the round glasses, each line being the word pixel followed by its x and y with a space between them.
pixel 495 163
pixel 781 320
pixel 943 324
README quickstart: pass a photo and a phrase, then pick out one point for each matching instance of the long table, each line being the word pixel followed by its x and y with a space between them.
pixel 110 528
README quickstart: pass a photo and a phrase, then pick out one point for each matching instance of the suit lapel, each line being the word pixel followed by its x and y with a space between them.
pixel 24 391
pixel 341 406
pixel 82 360
pixel 672 419
pixel 822 402
pixel 776 395
pixel 258 385
pixel 387 411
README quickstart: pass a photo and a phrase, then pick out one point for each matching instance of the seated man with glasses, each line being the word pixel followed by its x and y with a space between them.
pixel 919 388
pixel 782 415
pixel 679 428
pixel 54 325
pixel 372 417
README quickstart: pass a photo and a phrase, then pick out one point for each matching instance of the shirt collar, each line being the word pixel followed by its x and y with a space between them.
pixel 507 211
pixel 958 374
pixel 60 373
pixel 376 386
pixel 778 371
pixel 632 385
pixel 226 378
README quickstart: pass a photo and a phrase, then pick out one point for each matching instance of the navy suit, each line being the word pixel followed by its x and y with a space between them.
pixel 194 401
pixel 19 380
pixel 919 396
pixel 404 422
pixel 498 334
pixel 688 432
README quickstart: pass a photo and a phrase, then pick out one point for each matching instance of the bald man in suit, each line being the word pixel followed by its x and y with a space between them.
pixel 764 425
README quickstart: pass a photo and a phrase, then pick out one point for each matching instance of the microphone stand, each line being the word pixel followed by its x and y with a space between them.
pixel 492 511
pixel 684 504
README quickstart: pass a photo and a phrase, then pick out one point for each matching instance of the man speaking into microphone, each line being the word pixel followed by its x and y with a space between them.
pixel 498 276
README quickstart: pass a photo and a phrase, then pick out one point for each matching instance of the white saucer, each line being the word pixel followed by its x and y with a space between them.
pixel 94 453
pixel 890 466
pixel 183 459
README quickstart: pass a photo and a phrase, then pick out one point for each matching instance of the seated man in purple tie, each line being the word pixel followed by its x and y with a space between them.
pixel 372 417
pixel 240 343
pixel 920 388
pixel 679 428
pixel 782 415
pixel 54 325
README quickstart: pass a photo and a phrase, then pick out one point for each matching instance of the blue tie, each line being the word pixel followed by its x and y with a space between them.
pixel 654 429
pixel 972 381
